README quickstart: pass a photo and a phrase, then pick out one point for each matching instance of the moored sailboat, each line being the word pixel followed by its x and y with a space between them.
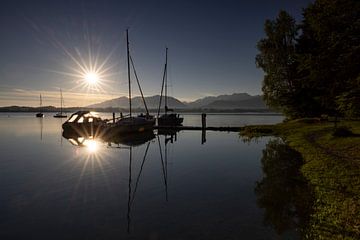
pixel 40 114
pixel 130 123
pixel 167 119
pixel 60 114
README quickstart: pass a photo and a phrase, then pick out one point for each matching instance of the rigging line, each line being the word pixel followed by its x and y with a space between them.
pixel 138 83
pixel 162 90
pixel 138 177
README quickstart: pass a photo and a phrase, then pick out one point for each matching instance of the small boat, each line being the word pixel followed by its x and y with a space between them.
pixel 40 114
pixel 60 114
pixel 167 119
pixel 84 123
pixel 131 124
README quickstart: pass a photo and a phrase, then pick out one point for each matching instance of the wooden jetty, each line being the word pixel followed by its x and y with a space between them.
pixel 202 128
pixel 179 128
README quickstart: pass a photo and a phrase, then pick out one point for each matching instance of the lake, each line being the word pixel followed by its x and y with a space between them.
pixel 170 187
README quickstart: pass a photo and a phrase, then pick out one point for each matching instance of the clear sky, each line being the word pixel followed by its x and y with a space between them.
pixel 48 45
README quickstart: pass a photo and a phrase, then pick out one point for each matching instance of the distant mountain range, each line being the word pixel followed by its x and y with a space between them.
pixel 137 102
pixel 233 101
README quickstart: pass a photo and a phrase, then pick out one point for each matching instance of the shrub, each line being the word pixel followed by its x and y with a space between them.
pixel 342 132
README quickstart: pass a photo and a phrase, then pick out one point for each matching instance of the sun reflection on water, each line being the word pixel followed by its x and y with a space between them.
pixel 91 145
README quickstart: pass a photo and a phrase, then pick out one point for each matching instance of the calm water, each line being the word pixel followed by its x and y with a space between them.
pixel 52 189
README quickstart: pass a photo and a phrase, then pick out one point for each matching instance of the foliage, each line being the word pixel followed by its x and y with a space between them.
pixel 342 131
pixel 348 102
pixel 278 60
pixel 330 44
pixel 312 68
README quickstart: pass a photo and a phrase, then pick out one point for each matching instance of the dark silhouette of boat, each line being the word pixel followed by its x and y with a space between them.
pixel 131 140
pixel 131 124
pixel 40 114
pixel 167 119
pixel 84 123
pixel 78 137
pixel 60 114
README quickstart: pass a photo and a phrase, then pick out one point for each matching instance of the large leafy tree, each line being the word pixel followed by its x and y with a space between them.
pixel 313 68
pixel 329 49
pixel 282 85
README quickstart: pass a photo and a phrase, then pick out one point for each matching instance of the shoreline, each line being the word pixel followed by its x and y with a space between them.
pixel 331 166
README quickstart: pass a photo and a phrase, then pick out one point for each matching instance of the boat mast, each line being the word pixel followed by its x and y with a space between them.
pixel 61 99
pixel 162 87
pixel 165 75
pixel 40 102
pixel 128 67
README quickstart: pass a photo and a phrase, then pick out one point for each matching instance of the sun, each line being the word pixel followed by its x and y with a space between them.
pixel 91 78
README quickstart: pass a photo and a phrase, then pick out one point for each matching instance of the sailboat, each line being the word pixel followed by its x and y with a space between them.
pixel 131 124
pixel 60 114
pixel 40 114
pixel 167 119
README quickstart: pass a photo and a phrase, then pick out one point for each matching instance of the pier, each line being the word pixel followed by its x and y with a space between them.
pixel 179 128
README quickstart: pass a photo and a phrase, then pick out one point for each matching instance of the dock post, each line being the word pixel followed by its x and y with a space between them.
pixel 203 136
pixel 113 117
pixel 203 128
pixel 203 121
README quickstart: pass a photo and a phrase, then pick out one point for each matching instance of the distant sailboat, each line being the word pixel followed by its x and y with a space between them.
pixel 131 124
pixel 40 114
pixel 60 114
pixel 166 119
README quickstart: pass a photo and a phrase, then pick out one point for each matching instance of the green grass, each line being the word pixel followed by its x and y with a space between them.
pixel 332 166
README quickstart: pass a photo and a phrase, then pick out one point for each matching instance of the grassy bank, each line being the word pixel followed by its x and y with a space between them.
pixel 332 166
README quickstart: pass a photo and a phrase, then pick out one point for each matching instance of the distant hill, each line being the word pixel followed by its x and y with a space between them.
pixel 233 101
pixel 152 103
pixel 255 102
pixel 237 102
pixel 203 102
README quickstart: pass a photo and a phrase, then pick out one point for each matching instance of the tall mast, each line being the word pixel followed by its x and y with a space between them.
pixel 61 101
pixel 40 101
pixel 165 75
pixel 128 67
pixel 162 86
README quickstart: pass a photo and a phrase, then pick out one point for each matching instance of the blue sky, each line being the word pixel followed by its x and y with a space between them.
pixel 212 47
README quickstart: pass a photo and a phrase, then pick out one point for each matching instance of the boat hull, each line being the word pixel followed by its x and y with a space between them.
pixel 60 116
pixel 133 125
pixel 39 115
pixel 83 129
pixel 170 120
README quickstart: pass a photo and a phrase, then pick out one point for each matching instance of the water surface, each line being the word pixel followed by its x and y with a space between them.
pixel 52 189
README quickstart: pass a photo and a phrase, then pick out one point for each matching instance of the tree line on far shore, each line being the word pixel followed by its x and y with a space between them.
pixel 313 67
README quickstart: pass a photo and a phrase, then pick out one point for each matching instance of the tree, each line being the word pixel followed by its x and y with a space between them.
pixel 313 68
pixel 348 102
pixel 329 47
pixel 282 86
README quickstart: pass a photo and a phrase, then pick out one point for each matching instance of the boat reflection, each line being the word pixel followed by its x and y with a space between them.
pixel 128 143
pixel 41 128
pixel 81 137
